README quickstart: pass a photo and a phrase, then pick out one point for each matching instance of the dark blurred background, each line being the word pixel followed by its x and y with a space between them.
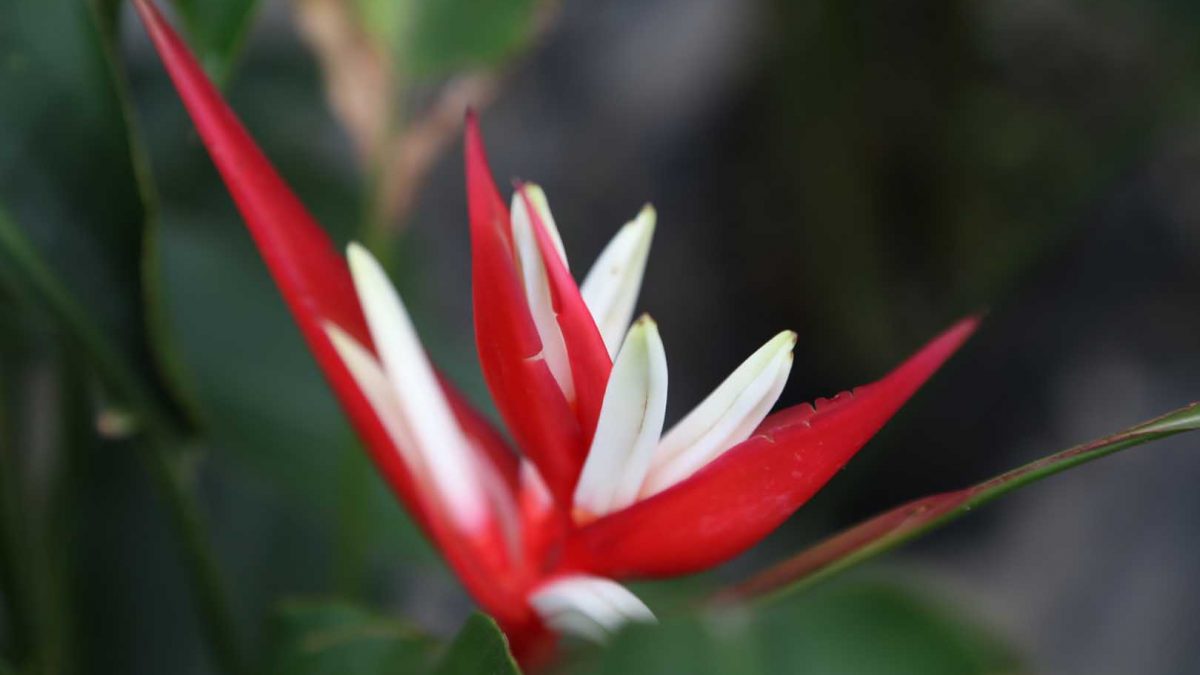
pixel 862 172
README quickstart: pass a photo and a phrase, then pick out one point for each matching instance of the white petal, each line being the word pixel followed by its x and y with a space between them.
pixel 724 419
pixel 631 420
pixel 610 288
pixel 538 197
pixel 373 382
pixel 589 607
pixel 537 287
pixel 534 488
pixel 427 417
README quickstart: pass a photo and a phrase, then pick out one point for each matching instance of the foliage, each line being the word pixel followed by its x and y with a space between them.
pixel 860 627
pixel 217 29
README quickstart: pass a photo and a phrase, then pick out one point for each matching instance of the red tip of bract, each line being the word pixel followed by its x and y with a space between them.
pixel 316 284
pixel 750 490
pixel 311 274
pixel 525 392
pixel 590 362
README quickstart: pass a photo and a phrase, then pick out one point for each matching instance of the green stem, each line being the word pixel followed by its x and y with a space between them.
pixel 374 231
pixel 159 437
pixel 36 519
pixel 207 582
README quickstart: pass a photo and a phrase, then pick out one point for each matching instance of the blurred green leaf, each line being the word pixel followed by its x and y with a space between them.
pixel 216 30
pixel 478 649
pixel 450 35
pixel 861 628
pixel 898 526
pixel 336 638
pixel 71 171
pixel 69 175
pixel 435 37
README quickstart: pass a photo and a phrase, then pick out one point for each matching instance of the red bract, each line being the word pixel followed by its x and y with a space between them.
pixel 598 492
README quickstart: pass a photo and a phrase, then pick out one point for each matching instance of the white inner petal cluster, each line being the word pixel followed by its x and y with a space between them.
pixel 627 461
pixel 629 458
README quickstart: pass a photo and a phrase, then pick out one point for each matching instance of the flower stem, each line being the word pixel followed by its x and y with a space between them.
pixel 160 435
pixel 207 582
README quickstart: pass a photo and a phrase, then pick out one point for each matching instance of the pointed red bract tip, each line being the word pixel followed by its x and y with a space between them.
pixel 310 272
pixel 484 204
pixel 522 386
pixel 739 498
pixel 315 282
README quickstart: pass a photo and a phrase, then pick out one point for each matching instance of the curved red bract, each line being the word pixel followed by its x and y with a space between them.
pixel 526 393
pixel 316 285
pixel 740 497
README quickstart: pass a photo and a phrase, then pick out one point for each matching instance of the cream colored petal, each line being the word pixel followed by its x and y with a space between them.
pixel 534 487
pixel 588 607
pixel 538 196
pixel 611 287
pixel 725 418
pixel 631 420
pixel 537 286
pixel 373 382
pixel 444 448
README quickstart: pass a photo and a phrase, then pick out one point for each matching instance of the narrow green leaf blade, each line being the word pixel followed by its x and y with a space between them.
pixel 73 238
pixel 478 649
pixel 900 525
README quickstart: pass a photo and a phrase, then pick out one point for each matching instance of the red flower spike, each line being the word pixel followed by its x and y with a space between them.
pixel 750 490
pixel 316 285
pixel 590 362
pixel 507 340
pixel 537 551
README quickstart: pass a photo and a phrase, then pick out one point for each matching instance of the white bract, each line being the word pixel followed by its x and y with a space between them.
pixel 629 459
pixel 631 421
pixel 537 286
pixel 589 607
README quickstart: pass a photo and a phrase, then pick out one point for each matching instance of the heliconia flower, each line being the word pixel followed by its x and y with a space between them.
pixel 598 492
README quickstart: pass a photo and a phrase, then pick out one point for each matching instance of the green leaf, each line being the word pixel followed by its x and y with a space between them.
pixel 72 241
pixel 898 526
pixel 860 628
pixel 336 638
pixel 435 37
pixel 216 30
pixel 478 649
pixel 456 34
